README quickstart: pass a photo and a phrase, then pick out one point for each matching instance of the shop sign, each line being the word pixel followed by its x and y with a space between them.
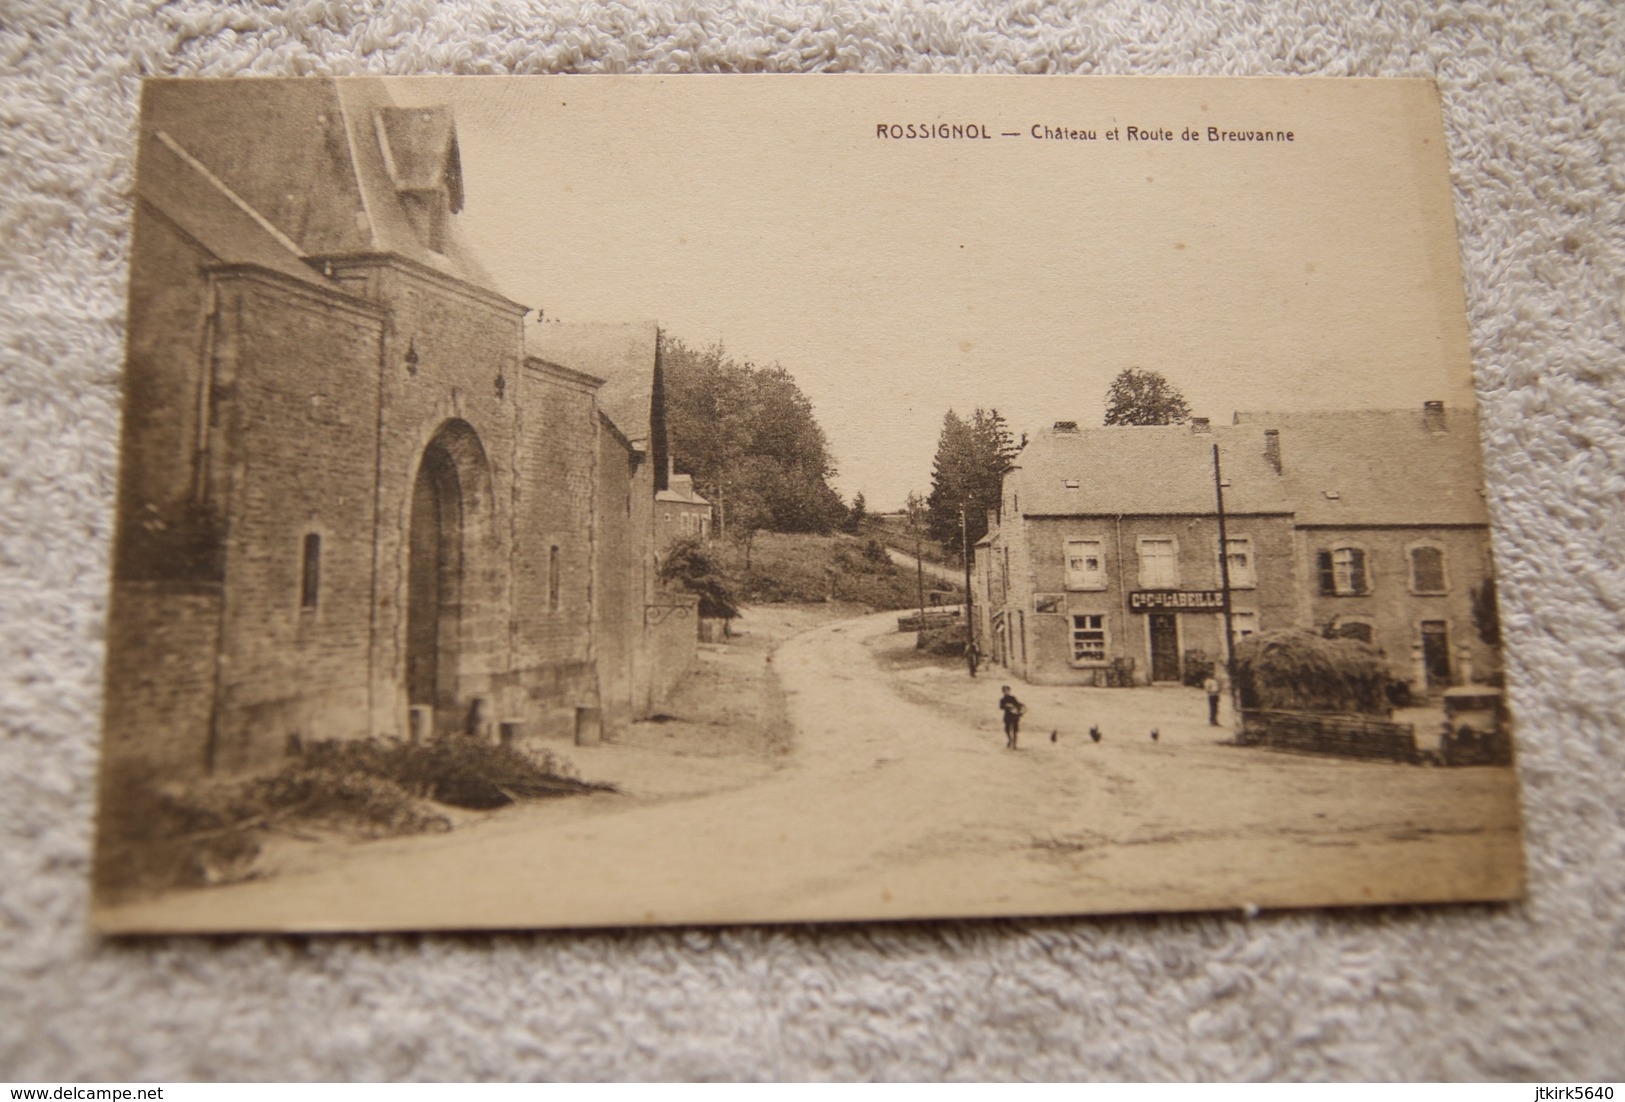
pixel 1176 600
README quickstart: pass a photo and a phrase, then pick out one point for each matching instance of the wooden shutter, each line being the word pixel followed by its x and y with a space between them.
pixel 1328 580
pixel 1357 573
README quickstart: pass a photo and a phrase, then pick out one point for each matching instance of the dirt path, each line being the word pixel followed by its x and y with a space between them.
pixel 899 800
pixel 933 570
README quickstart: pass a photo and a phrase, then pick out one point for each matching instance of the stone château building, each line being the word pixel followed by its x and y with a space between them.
pixel 353 501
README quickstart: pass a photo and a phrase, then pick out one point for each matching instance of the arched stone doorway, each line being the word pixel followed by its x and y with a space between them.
pixel 450 495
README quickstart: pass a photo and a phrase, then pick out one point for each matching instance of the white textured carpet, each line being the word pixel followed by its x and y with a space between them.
pixel 1536 121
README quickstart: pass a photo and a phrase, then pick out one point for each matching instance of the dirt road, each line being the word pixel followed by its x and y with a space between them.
pixel 898 799
pixel 937 572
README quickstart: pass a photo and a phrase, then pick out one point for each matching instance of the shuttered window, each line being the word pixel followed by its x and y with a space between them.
pixel 1343 572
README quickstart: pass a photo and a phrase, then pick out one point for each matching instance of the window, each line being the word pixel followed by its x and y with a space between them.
pixel 1238 554
pixel 1427 570
pixel 1159 564
pixel 1242 624
pixel 1352 629
pixel 1085 565
pixel 1089 638
pixel 310 572
pixel 1343 572
pixel 553 587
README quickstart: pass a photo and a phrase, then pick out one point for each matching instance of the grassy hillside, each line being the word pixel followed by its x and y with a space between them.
pixel 819 568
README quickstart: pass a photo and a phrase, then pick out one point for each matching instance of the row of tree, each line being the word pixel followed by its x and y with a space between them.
pixel 747 434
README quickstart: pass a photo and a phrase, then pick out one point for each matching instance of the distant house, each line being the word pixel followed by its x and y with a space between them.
pixel 1103 561
pixel 351 503
pixel 681 513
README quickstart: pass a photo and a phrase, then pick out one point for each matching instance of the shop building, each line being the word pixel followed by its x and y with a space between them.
pixel 1102 565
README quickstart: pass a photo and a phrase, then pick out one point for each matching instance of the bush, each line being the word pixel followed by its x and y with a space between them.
pixel 211 831
pixel 1301 671
pixel 1198 668
pixel 690 565
pixel 947 641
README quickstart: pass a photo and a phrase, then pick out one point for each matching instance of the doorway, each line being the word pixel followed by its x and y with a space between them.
pixel 1164 629
pixel 1436 653
pixel 434 577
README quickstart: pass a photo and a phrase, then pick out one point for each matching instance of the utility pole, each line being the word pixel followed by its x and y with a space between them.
pixel 1224 586
pixel 964 546
pixel 919 573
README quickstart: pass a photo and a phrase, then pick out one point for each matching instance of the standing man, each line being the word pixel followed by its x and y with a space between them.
pixel 973 655
pixel 1013 710
pixel 1211 686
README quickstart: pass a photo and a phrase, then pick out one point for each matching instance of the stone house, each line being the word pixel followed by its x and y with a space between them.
pixel 351 503
pixel 1102 564
pixel 681 513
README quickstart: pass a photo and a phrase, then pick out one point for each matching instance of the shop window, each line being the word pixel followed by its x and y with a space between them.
pixel 1089 638
pixel 310 572
pixel 1238 555
pixel 1343 572
pixel 1427 570
pixel 1159 564
pixel 1085 564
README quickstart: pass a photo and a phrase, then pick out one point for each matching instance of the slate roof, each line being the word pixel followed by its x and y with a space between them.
pixel 623 355
pixel 1384 466
pixel 1161 469
pixel 1381 467
pixel 328 164
pixel 681 488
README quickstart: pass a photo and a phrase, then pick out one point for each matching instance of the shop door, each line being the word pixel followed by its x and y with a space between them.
pixel 1164 646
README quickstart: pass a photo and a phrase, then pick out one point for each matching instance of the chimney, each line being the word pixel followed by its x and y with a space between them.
pixel 1201 426
pixel 1433 416
pixel 1272 448
pixel 992 520
pixel 1066 427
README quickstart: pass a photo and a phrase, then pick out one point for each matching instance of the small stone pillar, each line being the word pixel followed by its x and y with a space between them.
pixel 1419 669
pixel 419 723
pixel 589 726
pixel 1464 664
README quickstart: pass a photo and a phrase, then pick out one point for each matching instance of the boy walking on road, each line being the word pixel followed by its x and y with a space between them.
pixel 1013 710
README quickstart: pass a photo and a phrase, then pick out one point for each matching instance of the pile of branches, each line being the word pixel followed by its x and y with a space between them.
pixel 1302 671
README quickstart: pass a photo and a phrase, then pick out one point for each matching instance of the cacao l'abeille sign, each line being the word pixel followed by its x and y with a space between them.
pixel 1176 600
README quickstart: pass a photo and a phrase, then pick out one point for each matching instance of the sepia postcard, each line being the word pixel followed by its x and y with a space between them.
pixel 578 501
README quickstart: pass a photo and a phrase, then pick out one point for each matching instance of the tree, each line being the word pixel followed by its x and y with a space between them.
pixel 972 458
pixel 689 565
pixel 1139 397
pixel 743 430
pixel 858 514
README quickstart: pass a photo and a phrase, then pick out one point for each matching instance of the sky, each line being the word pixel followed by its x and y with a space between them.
pixel 898 278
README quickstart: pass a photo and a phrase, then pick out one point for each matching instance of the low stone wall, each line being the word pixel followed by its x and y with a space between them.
pixel 1347 736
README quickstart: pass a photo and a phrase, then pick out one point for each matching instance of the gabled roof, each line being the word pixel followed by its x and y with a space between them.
pixel 622 355
pixel 329 165
pixel 1356 468
pixel 680 488
pixel 213 215
pixel 1156 469
pixel 1376 467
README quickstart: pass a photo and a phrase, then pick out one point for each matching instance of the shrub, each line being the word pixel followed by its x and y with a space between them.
pixel 948 640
